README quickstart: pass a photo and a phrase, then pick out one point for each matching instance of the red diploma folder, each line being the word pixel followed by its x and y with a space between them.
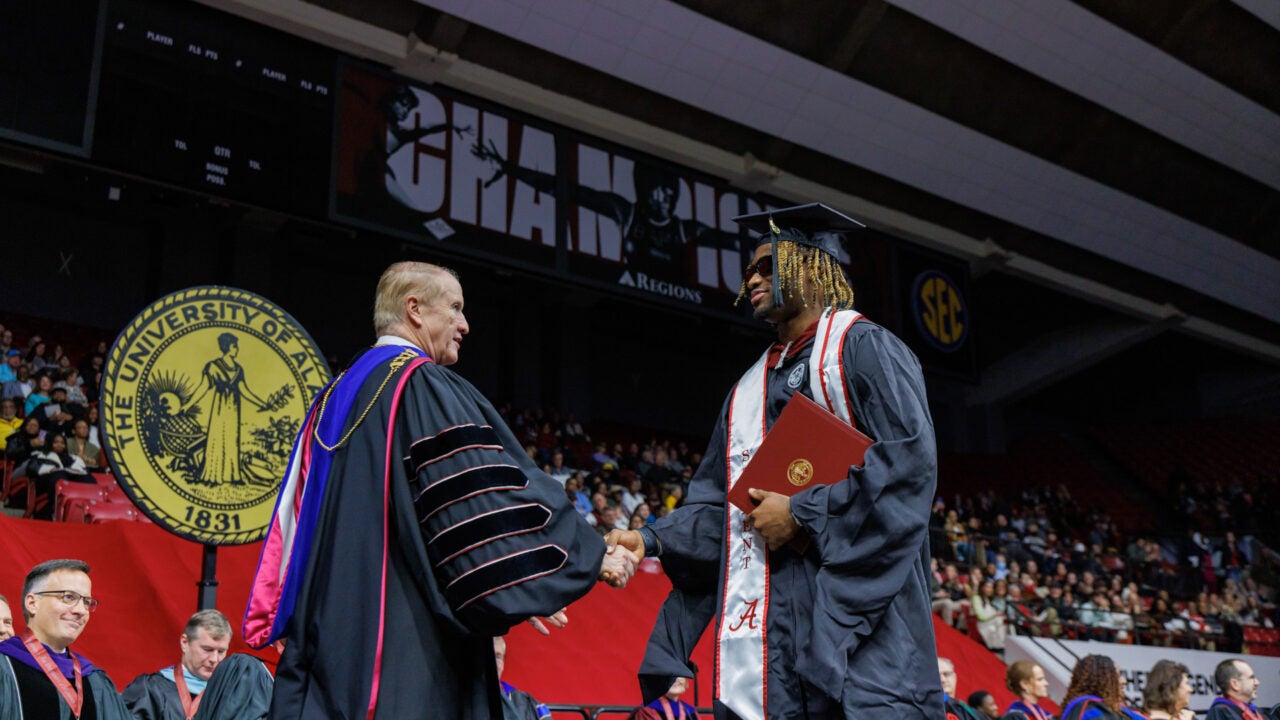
pixel 806 445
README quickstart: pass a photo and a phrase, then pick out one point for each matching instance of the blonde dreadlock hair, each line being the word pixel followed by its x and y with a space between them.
pixel 827 281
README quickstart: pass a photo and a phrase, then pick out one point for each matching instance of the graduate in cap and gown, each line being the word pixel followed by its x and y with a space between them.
pixel 819 603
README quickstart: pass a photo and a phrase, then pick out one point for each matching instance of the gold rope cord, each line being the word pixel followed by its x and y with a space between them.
pixel 396 364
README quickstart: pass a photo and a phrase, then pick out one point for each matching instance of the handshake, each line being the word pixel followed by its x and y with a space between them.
pixel 621 558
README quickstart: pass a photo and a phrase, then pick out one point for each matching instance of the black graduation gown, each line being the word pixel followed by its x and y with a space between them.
pixel 849 624
pixel 492 542
pixel 240 689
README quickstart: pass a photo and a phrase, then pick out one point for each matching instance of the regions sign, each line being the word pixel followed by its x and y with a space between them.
pixel 202 397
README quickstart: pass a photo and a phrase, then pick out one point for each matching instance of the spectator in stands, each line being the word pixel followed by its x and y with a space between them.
pixel 558 470
pixel 985 703
pixel 70 381
pixel 1238 686
pixel 602 456
pixel 671 707
pixel 991 622
pixel 573 430
pixel 957 538
pixel 46 467
pixel 9 370
pixel 57 603
pixel 674 498
pixel 10 423
pixel 38 358
pixel 235 687
pixel 91 417
pixel 81 446
pixel 19 390
pixel 516 704
pixel 23 443
pixel 1166 694
pixel 59 415
pixel 6 619
pixel 949 595
pixel 581 501
pixel 956 709
pixel 39 396
pixel 632 496
pixel 1028 681
pixel 1094 692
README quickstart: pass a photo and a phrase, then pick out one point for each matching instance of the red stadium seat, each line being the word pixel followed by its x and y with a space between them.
pixel 67 493
pixel 107 512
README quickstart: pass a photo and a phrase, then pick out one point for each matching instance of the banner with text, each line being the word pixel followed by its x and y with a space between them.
pixel 431 165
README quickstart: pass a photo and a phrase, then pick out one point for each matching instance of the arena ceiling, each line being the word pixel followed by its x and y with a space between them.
pixel 1125 153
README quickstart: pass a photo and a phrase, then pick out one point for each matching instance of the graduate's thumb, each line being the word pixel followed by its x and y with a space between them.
pixel 756 493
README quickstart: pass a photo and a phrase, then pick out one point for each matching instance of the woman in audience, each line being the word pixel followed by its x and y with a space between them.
pixel 1028 681
pixel 1167 692
pixel 1094 692
pixel 39 396
pixel 37 356
pixel 991 622
pixel 50 465
pixel 70 381
pixel 23 443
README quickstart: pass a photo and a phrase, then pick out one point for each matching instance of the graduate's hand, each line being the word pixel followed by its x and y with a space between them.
pixel 558 620
pixel 629 539
pixel 772 517
pixel 618 566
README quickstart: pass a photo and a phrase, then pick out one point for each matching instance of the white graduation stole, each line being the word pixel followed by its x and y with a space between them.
pixel 742 660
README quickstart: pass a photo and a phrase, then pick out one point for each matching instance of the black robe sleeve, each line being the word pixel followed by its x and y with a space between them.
pixel 500 536
pixel 152 697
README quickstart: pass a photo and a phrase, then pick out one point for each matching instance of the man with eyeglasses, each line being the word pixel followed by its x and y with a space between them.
pixel 820 600
pixel 1239 686
pixel 41 678
pixel 220 686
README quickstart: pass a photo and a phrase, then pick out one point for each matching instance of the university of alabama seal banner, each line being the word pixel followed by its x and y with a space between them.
pixel 202 396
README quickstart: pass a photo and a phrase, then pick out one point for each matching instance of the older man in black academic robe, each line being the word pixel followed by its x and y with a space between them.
pixel 411 530
pixel 845 624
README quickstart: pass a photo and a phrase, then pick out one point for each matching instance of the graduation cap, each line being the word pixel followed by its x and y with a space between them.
pixel 813 226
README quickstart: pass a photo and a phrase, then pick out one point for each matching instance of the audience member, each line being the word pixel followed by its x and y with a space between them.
pixel 46 467
pixel 991 622
pixel 40 675
pixel 39 396
pixel 956 709
pixel 671 706
pixel 516 704
pixel 1238 686
pixel 29 439
pixel 1166 695
pixel 1094 691
pixel 221 687
pixel 985 703
pixel 6 619
pixel 9 421
pixel 9 369
pixel 1028 681
pixel 80 446
pixel 21 388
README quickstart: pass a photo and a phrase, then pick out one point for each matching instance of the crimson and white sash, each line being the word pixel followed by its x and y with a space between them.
pixel 742 660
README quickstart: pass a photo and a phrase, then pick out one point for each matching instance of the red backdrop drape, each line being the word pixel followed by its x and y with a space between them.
pixel 146 579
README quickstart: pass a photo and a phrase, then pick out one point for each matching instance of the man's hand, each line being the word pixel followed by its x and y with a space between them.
pixel 559 620
pixel 629 539
pixel 773 517
pixel 618 566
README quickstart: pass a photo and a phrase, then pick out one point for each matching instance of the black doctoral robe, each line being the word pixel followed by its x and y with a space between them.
pixel 240 689
pixel 849 623
pixel 478 539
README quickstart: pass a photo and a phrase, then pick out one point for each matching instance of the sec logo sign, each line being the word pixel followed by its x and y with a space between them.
pixel 939 310
pixel 202 396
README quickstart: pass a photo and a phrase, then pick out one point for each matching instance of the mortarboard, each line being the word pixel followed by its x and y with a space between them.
pixel 813 225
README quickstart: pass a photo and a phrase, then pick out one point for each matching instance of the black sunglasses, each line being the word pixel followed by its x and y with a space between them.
pixel 764 266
